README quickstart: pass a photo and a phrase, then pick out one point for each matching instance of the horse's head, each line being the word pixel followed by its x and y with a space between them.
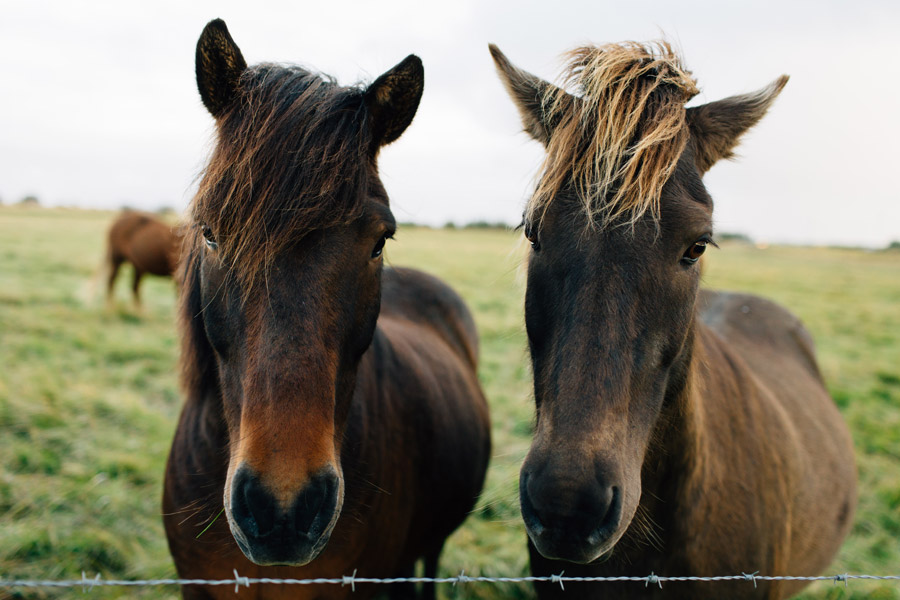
pixel 617 224
pixel 283 281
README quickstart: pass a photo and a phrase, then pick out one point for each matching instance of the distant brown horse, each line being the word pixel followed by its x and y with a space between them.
pixel 678 432
pixel 150 245
pixel 333 411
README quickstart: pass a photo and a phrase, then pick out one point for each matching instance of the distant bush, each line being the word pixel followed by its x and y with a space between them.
pixel 894 246
pixel 734 237
pixel 30 201
pixel 486 225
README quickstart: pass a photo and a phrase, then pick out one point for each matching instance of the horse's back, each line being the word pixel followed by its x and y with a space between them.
pixel 408 294
pixel 761 329
pixel 124 228
pixel 148 243
pixel 817 452
pixel 154 248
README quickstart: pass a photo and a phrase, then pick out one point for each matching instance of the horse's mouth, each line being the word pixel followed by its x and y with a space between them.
pixel 581 552
pixel 297 554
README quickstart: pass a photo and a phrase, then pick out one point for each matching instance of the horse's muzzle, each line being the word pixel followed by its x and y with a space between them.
pixel 578 528
pixel 269 534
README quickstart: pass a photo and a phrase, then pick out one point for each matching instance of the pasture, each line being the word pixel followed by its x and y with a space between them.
pixel 89 397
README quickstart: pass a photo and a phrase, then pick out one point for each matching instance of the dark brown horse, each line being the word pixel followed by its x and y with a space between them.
pixel 333 412
pixel 678 432
pixel 150 245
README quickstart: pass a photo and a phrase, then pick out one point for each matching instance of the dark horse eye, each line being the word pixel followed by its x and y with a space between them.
pixel 532 237
pixel 208 237
pixel 379 247
pixel 693 254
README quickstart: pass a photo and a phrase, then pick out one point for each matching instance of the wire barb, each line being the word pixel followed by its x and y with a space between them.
pixel 351 580
pixel 87 585
pixel 751 577
pixel 239 581
pixel 461 578
pixel 558 579
pixel 653 578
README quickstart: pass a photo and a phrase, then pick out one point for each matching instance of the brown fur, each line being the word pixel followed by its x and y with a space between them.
pixel 333 419
pixel 678 432
pixel 150 245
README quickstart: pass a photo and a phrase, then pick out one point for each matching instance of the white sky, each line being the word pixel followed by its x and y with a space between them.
pixel 99 107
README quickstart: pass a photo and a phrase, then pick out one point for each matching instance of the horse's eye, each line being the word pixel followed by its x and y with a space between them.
pixel 693 254
pixel 532 237
pixel 379 247
pixel 208 237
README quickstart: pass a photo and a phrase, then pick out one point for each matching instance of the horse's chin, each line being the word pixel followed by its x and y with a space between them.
pixel 582 552
pixel 297 555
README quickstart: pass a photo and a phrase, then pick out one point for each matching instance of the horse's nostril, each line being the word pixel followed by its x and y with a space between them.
pixel 315 505
pixel 610 500
pixel 252 506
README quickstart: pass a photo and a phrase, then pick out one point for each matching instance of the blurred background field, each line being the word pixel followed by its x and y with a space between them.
pixel 89 396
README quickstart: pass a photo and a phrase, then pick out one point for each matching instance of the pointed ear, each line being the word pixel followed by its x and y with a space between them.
pixel 393 99
pixel 717 127
pixel 219 67
pixel 528 92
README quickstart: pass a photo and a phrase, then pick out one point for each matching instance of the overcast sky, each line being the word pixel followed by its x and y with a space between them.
pixel 99 107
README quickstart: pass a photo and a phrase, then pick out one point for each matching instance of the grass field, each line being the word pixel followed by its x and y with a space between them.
pixel 89 397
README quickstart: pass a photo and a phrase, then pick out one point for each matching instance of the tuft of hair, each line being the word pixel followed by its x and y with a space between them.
pixel 291 157
pixel 620 140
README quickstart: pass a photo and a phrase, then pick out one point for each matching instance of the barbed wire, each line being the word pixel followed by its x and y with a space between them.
pixel 238 581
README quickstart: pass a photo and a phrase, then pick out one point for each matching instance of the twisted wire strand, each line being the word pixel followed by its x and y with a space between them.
pixel 238 581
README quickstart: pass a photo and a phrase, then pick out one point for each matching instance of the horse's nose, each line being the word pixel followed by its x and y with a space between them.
pixel 566 518
pixel 271 533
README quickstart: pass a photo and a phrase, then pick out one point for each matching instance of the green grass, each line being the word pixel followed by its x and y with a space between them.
pixel 89 397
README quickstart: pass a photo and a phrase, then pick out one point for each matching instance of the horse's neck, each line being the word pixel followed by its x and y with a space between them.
pixel 675 443
pixel 678 459
pixel 700 433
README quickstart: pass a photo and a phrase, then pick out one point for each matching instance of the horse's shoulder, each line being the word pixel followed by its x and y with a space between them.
pixel 757 327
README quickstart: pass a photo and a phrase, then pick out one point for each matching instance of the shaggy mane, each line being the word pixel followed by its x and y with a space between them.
pixel 291 157
pixel 619 141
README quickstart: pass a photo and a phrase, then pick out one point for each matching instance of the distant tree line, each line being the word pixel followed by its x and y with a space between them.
pixel 471 225
pixel 479 225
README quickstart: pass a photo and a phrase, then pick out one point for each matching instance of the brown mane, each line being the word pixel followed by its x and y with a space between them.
pixel 619 142
pixel 291 157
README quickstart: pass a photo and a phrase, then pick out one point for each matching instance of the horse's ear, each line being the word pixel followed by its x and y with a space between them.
pixel 718 126
pixel 393 99
pixel 528 93
pixel 219 67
